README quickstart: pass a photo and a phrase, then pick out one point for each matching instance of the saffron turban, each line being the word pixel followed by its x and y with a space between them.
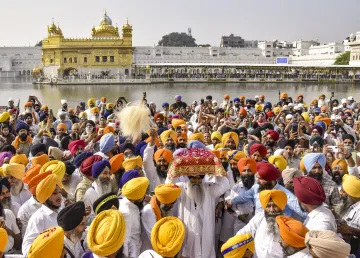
pixel 167 193
pixel 289 174
pixel 74 146
pixel 31 173
pixel 46 187
pixel 267 171
pixel 165 153
pixel 56 153
pixel 135 189
pixel 226 96
pixel 216 135
pixel 308 190
pixel 40 160
pixel 107 143
pixel 327 244
pixel 216 153
pixel 49 243
pixel 132 163
pixel 312 158
pixel 223 152
pixel 237 246
pixel 99 167
pixel 342 163
pixel 116 162
pixel 273 135
pixel 247 162
pixel 57 167
pixel 95 110
pixel 87 164
pixel 127 176
pixel 4 239
pixel 229 135
pixel 167 236
pixel 4 116
pixel 277 196
pixel 243 112
pixel 235 155
pixel 28 104
pixel 106 233
pixel 326 120
pixel 258 147
pixel 279 161
pixel 33 183
pixel 80 158
pixel 177 122
pixel 109 129
pixel 61 126
pixel 351 185
pixel 166 134
pixel 19 159
pixel 91 102
pixel 158 116
pixel 15 170
pixel 197 137
pixel 242 97
pixel 284 95
pixel 292 231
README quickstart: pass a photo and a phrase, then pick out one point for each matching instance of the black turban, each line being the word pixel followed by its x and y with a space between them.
pixel 70 168
pixel 243 130
pixel 5 182
pixel 125 146
pixel 49 142
pixel 37 148
pixel 71 216
pixel 105 202
pixel 284 142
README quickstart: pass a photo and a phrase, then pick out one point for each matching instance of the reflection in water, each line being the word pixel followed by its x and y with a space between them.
pixel 159 93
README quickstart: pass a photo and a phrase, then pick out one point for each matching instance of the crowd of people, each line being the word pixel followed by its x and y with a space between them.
pixel 235 178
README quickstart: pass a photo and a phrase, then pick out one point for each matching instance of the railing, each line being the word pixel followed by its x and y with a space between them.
pixel 94 81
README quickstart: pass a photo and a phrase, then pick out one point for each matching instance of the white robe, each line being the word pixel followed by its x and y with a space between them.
pixel 92 194
pixel 150 169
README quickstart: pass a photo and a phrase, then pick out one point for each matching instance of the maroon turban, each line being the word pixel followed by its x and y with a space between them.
pixel 258 147
pixel 318 128
pixel 87 164
pixel 74 145
pixel 267 171
pixel 273 134
pixel 308 190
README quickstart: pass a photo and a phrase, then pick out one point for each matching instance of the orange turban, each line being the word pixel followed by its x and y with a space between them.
pixel 235 155
pixel 326 120
pixel 226 96
pixel 36 180
pixel 243 112
pixel 197 137
pixel 183 135
pixel 277 196
pixel 116 162
pixel 40 160
pixel 28 104
pixel 342 163
pixel 223 153
pixel 229 135
pixel 216 153
pixel 165 153
pixel 284 95
pixel 177 122
pixel 292 231
pixel 61 126
pixel 302 165
pixel 166 134
pixel 158 116
pixel 109 129
pixel 184 127
pixel 247 162
pixel 31 173
pixel 242 97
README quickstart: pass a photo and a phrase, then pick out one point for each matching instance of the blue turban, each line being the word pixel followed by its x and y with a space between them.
pixel 196 144
pixel 122 139
pixel 321 124
pixel 127 176
pixel 98 167
pixel 138 148
pixel 21 126
pixel 236 100
pixel 165 104
pixel 161 130
pixel 49 142
pixel 125 146
pixel 312 158
pixel 267 105
pixel 107 143
pixel 317 110
pixel 81 157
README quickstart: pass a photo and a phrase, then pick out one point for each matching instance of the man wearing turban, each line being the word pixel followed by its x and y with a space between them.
pixel 292 237
pixel 279 162
pixel 216 138
pixel 263 226
pixel 230 140
pixel 48 192
pixel 233 156
pixel 168 138
pixel 160 206
pixel 339 168
pixel 311 196
pixel 130 206
pixel 5 199
pixel 76 147
pixel 70 181
pixel 288 176
pixel 239 246
pixel 315 165
pixel 258 151
pixel 15 174
pixel 271 137
pixel 181 141
pixel 23 141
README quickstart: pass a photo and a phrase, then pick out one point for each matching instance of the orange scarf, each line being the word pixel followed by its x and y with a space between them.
pixel 155 208
pixel 17 141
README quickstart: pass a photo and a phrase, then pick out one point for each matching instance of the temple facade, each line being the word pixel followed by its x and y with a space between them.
pixel 107 52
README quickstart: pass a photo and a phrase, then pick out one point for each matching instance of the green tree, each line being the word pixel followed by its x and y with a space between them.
pixel 343 59
pixel 176 39
pixel 39 44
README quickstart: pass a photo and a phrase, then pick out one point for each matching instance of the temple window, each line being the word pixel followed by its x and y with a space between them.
pixel 112 59
pixel 104 59
pixel 97 59
pixel 65 60
pixel 85 59
pixel 70 59
pixel 51 61
pixel 75 59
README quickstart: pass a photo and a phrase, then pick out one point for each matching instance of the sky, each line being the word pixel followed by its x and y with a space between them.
pixel 23 22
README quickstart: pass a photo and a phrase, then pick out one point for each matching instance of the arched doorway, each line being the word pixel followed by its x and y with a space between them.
pixel 70 71
pixel 126 71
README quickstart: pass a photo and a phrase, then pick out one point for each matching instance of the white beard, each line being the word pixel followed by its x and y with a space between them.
pixel 343 206
pixel 195 193
pixel 105 187
pixel 272 227
pixel 6 203
pixel 15 190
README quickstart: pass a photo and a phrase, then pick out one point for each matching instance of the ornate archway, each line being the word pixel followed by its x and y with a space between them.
pixel 70 71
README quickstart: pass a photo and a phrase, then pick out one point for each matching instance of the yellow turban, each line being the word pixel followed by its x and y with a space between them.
pixel 95 110
pixel 279 161
pixel 166 134
pixel 236 246
pixel 3 239
pixel 132 163
pixel 135 189
pixel 306 117
pixel 277 196
pixel 106 233
pixel 167 236
pixel 216 135
pixel 110 105
pixel 167 193
pixel 57 167
pixel 342 163
pixel 302 165
pixel 4 116
pixel 227 136
pixel 91 101
pixel 277 110
pixel 197 137
pixel 235 155
pixel 46 187
pixel 351 185
pixel 177 122
pixel 258 107
pixel 49 244
pixel 19 159
pixel 83 114
pixel 317 118
pixel 15 170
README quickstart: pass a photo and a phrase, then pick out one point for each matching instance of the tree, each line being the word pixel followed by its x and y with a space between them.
pixel 176 39
pixel 39 44
pixel 343 59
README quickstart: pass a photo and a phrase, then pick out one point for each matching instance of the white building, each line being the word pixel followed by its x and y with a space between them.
pixel 354 44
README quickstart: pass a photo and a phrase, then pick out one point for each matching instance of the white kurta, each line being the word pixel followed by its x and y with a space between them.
pixel 148 221
pixel 304 253
pixel 321 219
pixel 23 196
pixel 132 244
pixel 149 254
pixel 71 186
pixel 92 194
pixel 10 223
pixel 26 211
pixel 200 221
pixel 15 207
pixel 268 244
pixel 150 169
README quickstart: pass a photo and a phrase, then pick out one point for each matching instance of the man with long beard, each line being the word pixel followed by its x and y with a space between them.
pixel 5 197
pixel 263 226
pixel 168 138
pixel 101 173
pixel 233 173
pixel 48 192
pixel 23 141
pixel 14 173
pixel 72 219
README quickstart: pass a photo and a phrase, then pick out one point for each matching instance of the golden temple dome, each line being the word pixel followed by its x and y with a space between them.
pixel 53 30
pixel 105 28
